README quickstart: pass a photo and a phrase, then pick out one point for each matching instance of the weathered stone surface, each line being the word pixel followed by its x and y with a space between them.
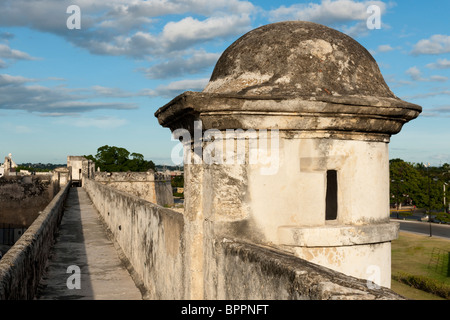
pixel 150 236
pixel 294 76
pixel 339 235
pixel 150 186
pixel 297 58
pixel 21 198
pixel 348 118
pixel 156 242
pixel 22 266
pixel 248 271
pixel 82 241
pixel 334 113
pixel 80 168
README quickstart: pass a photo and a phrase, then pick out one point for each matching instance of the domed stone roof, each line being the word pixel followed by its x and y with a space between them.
pixel 295 75
pixel 297 58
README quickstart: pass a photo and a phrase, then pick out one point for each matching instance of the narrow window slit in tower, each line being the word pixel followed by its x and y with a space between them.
pixel 331 196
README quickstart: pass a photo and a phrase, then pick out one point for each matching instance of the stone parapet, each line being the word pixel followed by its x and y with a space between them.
pixel 249 271
pixel 172 262
pixel 22 266
pixel 150 186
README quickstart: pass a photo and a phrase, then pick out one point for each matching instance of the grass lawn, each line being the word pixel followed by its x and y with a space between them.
pixel 412 293
pixel 420 255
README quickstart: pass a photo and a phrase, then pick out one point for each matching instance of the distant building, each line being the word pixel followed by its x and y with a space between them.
pixel 80 168
pixel 9 166
pixel 174 173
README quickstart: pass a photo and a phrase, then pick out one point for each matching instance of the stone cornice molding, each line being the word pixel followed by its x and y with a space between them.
pixel 348 116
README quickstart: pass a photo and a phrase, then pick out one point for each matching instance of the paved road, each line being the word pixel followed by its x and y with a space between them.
pixel 437 230
pixel 82 242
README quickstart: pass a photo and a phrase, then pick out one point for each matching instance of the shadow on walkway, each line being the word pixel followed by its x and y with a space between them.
pixel 83 262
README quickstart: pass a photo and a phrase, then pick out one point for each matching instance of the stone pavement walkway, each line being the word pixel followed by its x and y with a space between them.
pixel 84 263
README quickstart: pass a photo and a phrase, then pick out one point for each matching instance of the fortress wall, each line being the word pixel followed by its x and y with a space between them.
pixel 150 236
pixel 153 239
pixel 249 271
pixel 22 266
pixel 22 197
pixel 150 186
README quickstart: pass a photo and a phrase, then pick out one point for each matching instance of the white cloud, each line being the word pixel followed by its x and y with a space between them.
pixel 99 122
pixel 348 16
pixel 6 36
pixel 428 95
pixel 123 23
pixel 330 12
pixel 438 78
pixel 158 8
pixel 384 48
pixel 176 36
pixel 168 90
pixel 9 80
pixel 358 29
pixel 7 53
pixel 169 52
pixel 181 34
pixel 177 87
pixel 101 21
pixel 58 114
pixel 416 75
pixel 20 93
pixel 196 63
pixel 440 64
pixel 436 44
pixel 139 45
pixel 111 92
pixel 394 83
pixel 157 30
pixel 56 79
pixel 444 109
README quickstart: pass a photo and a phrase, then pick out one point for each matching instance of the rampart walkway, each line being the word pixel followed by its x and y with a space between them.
pixel 82 242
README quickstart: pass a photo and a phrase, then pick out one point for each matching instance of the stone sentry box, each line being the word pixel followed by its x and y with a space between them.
pixel 314 99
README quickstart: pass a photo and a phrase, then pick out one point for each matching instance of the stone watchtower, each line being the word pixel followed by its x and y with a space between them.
pixel 287 146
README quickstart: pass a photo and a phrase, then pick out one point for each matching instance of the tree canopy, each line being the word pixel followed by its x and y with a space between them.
pixel 178 181
pixel 116 159
pixel 419 184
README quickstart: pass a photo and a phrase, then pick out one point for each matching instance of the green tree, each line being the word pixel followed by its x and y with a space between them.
pixel 178 181
pixel 116 159
pixel 31 169
pixel 406 184
pixel 418 184
pixel 139 164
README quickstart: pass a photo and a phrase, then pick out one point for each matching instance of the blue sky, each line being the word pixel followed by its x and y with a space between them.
pixel 69 91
